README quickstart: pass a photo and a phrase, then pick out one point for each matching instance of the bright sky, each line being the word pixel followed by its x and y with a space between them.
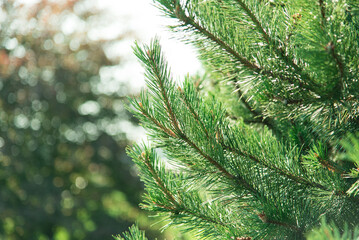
pixel 146 21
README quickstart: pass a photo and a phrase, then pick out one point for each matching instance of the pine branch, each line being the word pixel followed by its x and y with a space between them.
pixel 331 49
pixel 169 132
pixel 177 11
pixel 182 136
pixel 134 233
pixel 192 111
pixel 178 207
pixel 258 116
pixel 197 118
pixel 277 49
pixel 187 20
pixel 159 81
pixel 265 219
pixel 255 172
pixel 238 179
pixel 181 15
pixel 153 60
pixel 280 171
pixel 322 11
pixel 180 211
pixel 145 158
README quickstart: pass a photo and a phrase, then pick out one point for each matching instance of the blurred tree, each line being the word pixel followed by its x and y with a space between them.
pixel 63 128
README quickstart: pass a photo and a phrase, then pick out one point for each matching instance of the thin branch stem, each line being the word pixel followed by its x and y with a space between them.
pixel 330 165
pixel 180 134
pixel 240 180
pixel 203 217
pixel 257 115
pixel 225 46
pixel 158 180
pixel 163 91
pixel 195 115
pixel 157 123
pixel 277 49
pixel 187 20
pixel 284 225
pixel 265 219
pixel 280 171
pixel 287 174
pixel 331 48
pixel 177 204
pixel 322 11
pixel 189 142
pixel 193 112
pixel 255 21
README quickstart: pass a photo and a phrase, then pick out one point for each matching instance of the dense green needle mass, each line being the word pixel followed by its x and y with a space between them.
pixel 271 149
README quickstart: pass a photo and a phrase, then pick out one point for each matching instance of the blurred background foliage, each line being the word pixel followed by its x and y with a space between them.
pixel 64 173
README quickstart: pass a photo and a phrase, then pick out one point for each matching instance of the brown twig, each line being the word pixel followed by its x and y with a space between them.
pixel 322 11
pixel 163 92
pixel 280 171
pixel 257 115
pixel 177 205
pixel 193 112
pixel 157 123
pixel 180 134
pixel 158 180
pixel 330 47
pixel 265 219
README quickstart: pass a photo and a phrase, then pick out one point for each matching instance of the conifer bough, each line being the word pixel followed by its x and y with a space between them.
pixel 272 151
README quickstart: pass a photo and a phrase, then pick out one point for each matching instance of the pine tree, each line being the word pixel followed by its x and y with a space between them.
pixel 270 148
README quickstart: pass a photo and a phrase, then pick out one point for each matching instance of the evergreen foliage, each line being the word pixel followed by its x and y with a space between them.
pixel 331 232
pixel 279 151
pixel 134 233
